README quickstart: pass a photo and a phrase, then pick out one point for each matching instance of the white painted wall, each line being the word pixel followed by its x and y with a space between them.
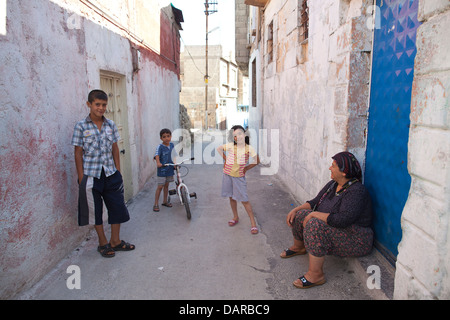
pixel 423 262
pixel 52 53
pixel 311 105
pixel 305 90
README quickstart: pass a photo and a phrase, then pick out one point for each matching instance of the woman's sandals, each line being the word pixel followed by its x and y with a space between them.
pixel 305 284
pixel 289 253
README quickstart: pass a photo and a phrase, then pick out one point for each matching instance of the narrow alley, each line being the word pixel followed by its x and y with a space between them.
pixel 202 258
pixel 308 79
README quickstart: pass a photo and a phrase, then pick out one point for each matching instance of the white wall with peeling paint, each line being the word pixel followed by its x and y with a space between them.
pixel 52 53
pixel 306 91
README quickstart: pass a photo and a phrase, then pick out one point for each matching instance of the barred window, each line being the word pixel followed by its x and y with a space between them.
pixel 303 20
pixel 270 42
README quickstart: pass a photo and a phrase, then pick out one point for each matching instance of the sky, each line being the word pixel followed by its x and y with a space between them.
pixel 194 25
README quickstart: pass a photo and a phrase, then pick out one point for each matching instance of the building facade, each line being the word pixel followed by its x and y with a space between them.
pixel 53 53
pixel 222 85
pixel 370 77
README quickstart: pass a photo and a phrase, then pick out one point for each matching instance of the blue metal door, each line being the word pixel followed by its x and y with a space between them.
pixel 386 174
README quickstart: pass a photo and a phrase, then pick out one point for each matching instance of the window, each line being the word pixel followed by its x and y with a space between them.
pixel 233 77
pixel 303 20
pixel 223 73
pixel 254 83
pixel 270 43
pixel 242 108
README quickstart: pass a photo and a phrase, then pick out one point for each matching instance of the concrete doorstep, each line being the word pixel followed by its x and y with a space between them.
pixel 378 273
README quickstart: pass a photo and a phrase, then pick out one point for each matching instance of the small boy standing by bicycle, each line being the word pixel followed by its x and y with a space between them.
pixel 163 155
pixel 234 184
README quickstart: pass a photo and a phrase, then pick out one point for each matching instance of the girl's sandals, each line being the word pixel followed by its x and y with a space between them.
pixel 106 251
pixel 156 208
pixel 168 204
pixel 233 222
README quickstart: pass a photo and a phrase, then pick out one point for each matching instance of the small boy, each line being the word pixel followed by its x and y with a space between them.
pixel 163 155
pixel 98 168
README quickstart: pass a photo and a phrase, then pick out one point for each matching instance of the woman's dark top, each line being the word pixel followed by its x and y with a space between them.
pixel 351 206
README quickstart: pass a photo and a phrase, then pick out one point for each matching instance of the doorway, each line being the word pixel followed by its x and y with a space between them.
pixel 386 173
pixel 115 87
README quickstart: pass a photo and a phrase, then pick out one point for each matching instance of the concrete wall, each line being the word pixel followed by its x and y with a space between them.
pixel 52 53
pixel 423 262
pixel 311 91
pixel 242 35
pixel 316 94
pixel 192 95
pixel 221 69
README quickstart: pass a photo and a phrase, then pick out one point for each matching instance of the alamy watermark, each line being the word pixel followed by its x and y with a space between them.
pixel 204 146
pixel 74 280
pixel 74 21
pixel 374 280
pixel 373 21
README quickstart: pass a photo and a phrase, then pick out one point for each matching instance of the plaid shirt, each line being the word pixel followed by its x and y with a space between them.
pixel 97 146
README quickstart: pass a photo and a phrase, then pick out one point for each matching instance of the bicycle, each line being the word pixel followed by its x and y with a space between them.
pixel 181 188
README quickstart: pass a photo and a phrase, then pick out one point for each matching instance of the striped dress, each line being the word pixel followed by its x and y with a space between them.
pixel 237 159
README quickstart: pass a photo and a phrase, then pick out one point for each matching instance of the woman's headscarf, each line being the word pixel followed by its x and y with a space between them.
pixel 348 164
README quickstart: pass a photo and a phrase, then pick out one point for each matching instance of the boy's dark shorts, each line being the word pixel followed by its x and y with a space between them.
pixel 93 192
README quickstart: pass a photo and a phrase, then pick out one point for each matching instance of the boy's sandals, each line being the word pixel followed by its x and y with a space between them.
pixel 106 251
pixel 124 246
pixel 305 284
pixel 156 207
pixel 287 253
pixel 254 230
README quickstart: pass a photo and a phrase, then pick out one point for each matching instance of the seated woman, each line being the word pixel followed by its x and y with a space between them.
pixel 336 222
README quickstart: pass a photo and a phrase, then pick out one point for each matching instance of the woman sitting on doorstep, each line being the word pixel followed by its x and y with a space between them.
pixel 336 222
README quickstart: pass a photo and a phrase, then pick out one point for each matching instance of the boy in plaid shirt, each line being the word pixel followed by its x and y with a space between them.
pixel 98 168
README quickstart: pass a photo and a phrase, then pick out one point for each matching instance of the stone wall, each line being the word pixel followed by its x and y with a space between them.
pixel 423 262
pixel 315 91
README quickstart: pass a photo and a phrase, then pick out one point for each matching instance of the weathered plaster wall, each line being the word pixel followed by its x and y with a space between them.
pixel 192 95
pixel 315 92
pixel 43 84
pixel 156 107
pixel 319 103
pixel 423 262
pixel 52 54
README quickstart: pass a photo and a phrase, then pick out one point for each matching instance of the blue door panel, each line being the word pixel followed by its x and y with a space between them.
pixel 386 174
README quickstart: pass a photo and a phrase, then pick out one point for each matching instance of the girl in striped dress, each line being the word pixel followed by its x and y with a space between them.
pixel 234 186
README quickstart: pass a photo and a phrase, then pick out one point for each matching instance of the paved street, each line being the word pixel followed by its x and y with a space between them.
pixel 202 258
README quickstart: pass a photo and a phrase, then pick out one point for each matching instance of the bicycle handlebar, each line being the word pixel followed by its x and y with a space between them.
pixel 176 164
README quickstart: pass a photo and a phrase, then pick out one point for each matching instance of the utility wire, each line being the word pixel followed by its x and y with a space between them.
pixel 193 61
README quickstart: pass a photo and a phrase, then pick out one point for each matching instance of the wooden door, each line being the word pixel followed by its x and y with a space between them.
pixel 115 88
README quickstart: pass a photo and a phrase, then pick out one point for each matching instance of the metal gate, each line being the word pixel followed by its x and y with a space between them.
pixel 386 174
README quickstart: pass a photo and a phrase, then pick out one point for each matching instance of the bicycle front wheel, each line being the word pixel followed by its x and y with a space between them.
pixel 184 197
